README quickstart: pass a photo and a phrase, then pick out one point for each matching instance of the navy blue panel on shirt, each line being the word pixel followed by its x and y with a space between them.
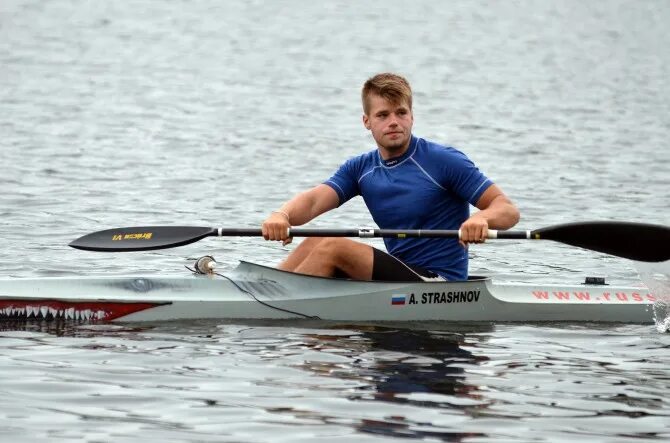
pixel 428 187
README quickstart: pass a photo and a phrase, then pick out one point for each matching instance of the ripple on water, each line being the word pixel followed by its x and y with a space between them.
pixel 212 114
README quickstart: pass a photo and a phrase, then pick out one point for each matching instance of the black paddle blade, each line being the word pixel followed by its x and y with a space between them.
pixel 635 241
pixel 141 238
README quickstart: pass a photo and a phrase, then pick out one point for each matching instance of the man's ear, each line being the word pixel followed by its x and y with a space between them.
pixel 366 122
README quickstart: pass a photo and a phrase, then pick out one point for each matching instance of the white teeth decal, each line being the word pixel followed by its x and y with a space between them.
pixel 71 310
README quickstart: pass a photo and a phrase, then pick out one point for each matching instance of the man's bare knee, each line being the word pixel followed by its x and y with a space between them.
pixel 308 244
pixel 312 242
pixel 333 245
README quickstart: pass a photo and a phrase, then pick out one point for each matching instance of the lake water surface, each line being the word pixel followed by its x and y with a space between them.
pixel 215 112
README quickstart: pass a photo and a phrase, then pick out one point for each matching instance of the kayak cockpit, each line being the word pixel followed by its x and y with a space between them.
pixel 255 270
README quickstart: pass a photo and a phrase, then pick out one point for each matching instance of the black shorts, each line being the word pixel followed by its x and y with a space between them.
pixel 386 267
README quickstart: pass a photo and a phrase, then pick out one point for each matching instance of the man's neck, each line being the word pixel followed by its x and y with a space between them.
pixel 386 153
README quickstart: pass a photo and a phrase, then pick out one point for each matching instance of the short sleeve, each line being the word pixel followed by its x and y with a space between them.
pixel 345 181
pixel 464 178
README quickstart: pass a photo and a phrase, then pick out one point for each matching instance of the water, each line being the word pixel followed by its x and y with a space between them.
pixel 202 381
pixel 656 277
pixel 213 113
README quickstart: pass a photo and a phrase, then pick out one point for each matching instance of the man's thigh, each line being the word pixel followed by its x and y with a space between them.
pixel 385 267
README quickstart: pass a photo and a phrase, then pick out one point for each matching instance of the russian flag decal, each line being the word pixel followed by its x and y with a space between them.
pixel 397 299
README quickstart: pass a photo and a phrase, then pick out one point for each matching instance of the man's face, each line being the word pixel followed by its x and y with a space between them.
pixel 390 124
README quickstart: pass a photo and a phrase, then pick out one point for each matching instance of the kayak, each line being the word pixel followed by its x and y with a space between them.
pixel 253 291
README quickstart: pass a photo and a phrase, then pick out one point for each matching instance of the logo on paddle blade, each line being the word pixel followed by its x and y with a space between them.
pixel 134 236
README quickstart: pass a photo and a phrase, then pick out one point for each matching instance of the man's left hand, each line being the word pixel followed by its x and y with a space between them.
pixel 474 230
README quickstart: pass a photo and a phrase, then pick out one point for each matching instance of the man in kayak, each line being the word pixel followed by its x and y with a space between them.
pixel 406 183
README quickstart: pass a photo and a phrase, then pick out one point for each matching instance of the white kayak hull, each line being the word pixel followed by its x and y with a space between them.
pixel 257 292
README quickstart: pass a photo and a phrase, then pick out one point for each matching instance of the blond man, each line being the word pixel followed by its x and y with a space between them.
pixel 407 183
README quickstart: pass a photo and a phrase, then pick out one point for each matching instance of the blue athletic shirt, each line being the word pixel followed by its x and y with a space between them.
pixel 430 186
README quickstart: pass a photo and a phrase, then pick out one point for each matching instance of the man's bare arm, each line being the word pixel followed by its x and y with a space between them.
pixel 496 211
pixel 299 210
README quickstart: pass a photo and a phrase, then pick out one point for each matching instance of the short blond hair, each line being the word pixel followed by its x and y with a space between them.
pixel 391 87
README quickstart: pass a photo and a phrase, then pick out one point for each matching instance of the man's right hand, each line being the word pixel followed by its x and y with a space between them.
pixel 303 208
pixel 276 227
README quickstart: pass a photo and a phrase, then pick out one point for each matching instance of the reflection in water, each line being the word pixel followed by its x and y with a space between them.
pixel 415 367
pixel 428 362
pixel 61 327
pixel 57 327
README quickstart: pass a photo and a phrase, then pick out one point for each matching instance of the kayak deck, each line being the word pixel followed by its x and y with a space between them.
pixel 252 291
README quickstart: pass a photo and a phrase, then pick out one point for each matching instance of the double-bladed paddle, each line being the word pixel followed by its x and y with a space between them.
pixel 635 241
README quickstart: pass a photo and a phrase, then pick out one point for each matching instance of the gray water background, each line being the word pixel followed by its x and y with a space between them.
pixel 214 113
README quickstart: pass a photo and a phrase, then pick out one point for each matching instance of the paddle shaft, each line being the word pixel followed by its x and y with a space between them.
pixel 369 233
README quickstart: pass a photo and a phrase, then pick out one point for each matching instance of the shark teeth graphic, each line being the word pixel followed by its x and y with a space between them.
pixel 75 310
